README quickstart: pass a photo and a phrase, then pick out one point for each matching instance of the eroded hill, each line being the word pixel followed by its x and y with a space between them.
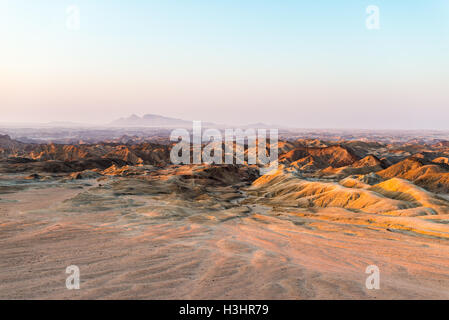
pixel 141 227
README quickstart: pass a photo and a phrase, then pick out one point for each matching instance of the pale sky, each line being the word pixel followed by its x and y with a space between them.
pixel 300 63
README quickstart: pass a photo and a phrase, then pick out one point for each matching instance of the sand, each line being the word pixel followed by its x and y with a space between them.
pixel 159 246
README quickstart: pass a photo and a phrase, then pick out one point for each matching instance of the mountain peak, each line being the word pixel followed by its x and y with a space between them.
pixel 154 120
pixel 150 120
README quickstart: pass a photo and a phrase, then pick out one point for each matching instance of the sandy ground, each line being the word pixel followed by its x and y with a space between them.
pixel 136 247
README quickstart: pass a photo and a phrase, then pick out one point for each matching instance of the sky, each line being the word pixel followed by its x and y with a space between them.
pixel 308 64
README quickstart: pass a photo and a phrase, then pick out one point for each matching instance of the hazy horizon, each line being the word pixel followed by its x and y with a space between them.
pixel 307 65
pixel 105 124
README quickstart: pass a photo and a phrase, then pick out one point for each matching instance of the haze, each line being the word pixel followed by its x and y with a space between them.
pixel 290 63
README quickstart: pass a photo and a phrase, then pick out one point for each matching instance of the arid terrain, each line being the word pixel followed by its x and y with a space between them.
pixel 139 227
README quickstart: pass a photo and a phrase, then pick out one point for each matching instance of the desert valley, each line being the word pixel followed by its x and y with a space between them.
pixel 140 227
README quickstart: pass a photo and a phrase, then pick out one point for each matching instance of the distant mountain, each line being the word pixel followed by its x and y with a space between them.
pixel 153 120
